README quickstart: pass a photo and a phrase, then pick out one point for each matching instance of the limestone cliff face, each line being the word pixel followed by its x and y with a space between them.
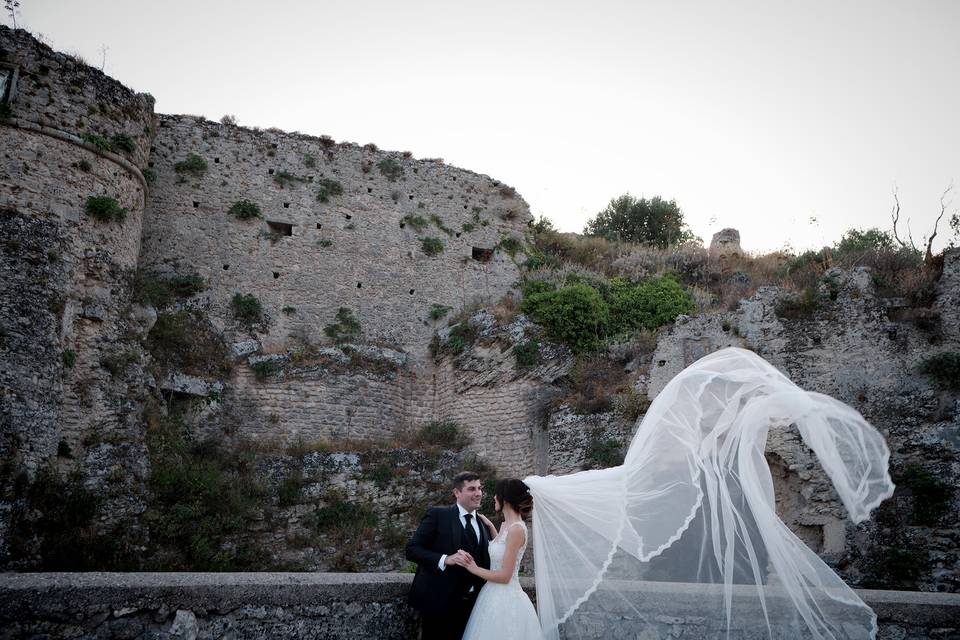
pixel 856 347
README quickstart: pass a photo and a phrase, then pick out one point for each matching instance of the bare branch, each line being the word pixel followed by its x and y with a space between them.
pixel 895 216
pixel 928 256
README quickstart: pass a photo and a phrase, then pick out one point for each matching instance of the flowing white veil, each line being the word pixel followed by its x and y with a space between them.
pixel 693 503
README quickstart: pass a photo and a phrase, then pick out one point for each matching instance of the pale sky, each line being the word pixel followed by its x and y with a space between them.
pixel 758 115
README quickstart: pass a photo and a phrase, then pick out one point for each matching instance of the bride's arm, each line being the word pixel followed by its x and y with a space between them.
pixel 492 529
pixel 515 538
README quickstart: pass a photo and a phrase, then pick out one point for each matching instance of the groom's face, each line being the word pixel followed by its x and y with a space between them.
pixel 469 495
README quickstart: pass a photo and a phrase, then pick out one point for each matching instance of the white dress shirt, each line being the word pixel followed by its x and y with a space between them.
pixel 463 523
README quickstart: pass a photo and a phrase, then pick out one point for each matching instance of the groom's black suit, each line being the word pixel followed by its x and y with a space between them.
pixel 444 597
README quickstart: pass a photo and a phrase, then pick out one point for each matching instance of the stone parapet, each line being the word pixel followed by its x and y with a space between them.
pixel 338 605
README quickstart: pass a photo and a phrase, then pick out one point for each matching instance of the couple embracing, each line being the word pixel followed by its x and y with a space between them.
pixel 466 584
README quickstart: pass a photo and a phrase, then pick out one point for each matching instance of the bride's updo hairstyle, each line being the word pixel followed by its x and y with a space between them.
pixel 515 493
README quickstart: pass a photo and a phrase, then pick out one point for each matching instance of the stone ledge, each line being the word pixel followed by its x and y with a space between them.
pixel 63 136
pixel 331 605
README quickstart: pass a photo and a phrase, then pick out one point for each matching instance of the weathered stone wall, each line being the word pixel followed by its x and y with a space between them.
pixel 316 404
pixel 60 92
pixel 502 406
pixel 193 606
pixel 354 251
pixel 47 173
pixel 65 282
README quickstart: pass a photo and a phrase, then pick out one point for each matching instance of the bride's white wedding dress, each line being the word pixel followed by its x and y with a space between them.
pixel 503 611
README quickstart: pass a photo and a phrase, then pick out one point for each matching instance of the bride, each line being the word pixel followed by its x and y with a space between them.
pixel 502 609
pixel 686 530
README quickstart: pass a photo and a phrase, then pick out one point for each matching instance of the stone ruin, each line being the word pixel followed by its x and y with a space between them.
pixel 343 226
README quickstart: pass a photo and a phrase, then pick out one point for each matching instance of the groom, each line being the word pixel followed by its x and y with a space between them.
pixel 443 590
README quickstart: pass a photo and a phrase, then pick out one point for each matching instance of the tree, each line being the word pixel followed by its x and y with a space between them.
pixel 12 7
pixel 656 222
pixel 953 221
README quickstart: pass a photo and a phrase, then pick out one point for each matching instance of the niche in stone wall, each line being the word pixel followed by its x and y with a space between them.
pixel 282 228
pixel 482 255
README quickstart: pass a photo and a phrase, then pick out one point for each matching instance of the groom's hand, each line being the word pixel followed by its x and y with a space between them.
pixel 459 558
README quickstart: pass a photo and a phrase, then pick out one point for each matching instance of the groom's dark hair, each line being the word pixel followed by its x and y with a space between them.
pixel 464 476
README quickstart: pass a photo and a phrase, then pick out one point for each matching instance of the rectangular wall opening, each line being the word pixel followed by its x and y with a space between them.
pixel 482 255
pixel 281 228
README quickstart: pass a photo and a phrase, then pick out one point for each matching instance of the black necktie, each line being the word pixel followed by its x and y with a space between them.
pixel 473 534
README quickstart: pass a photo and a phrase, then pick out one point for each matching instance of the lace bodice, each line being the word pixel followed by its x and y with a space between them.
pixel 498 547
pixel 503 610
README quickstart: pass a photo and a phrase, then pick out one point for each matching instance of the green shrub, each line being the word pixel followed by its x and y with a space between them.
pixel 527 353
pixel 263 369
pixel 285 178
pixel 596 383
pixel 510 245
pixel 931 496
pixel 603 453
pixel 439 224
pixel 655 222
pixel 858 242
pixel 896 568
pixel 98 141
pixel 943 368
pixel 345 329
pixel 148 174
pixel 461 336
pixel 63 450
pixel 381 474
pixel 309 161
pixel 648 305
pixel 431 246
pixel 324 242
pixel 244 210
pixel 69 358
pixel 467 227
pixel 123 142
pixel 289 489
pixel 150 287
pixel 85 166
pixel 6 111
pixel 443 434
pixel 437 311
pixel 247 309
pixel 116 363
pixel 203 493
pixel 288 310
pixel 575 315
pixel 185 341
pixel 104 209
pixel 329 188
pixel 419 223
pixel 390 168
pixel 192 164
pixel 344 516
pixel 61 514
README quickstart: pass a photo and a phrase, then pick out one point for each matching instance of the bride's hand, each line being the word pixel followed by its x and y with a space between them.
pixel 490 527
pixel 469 563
